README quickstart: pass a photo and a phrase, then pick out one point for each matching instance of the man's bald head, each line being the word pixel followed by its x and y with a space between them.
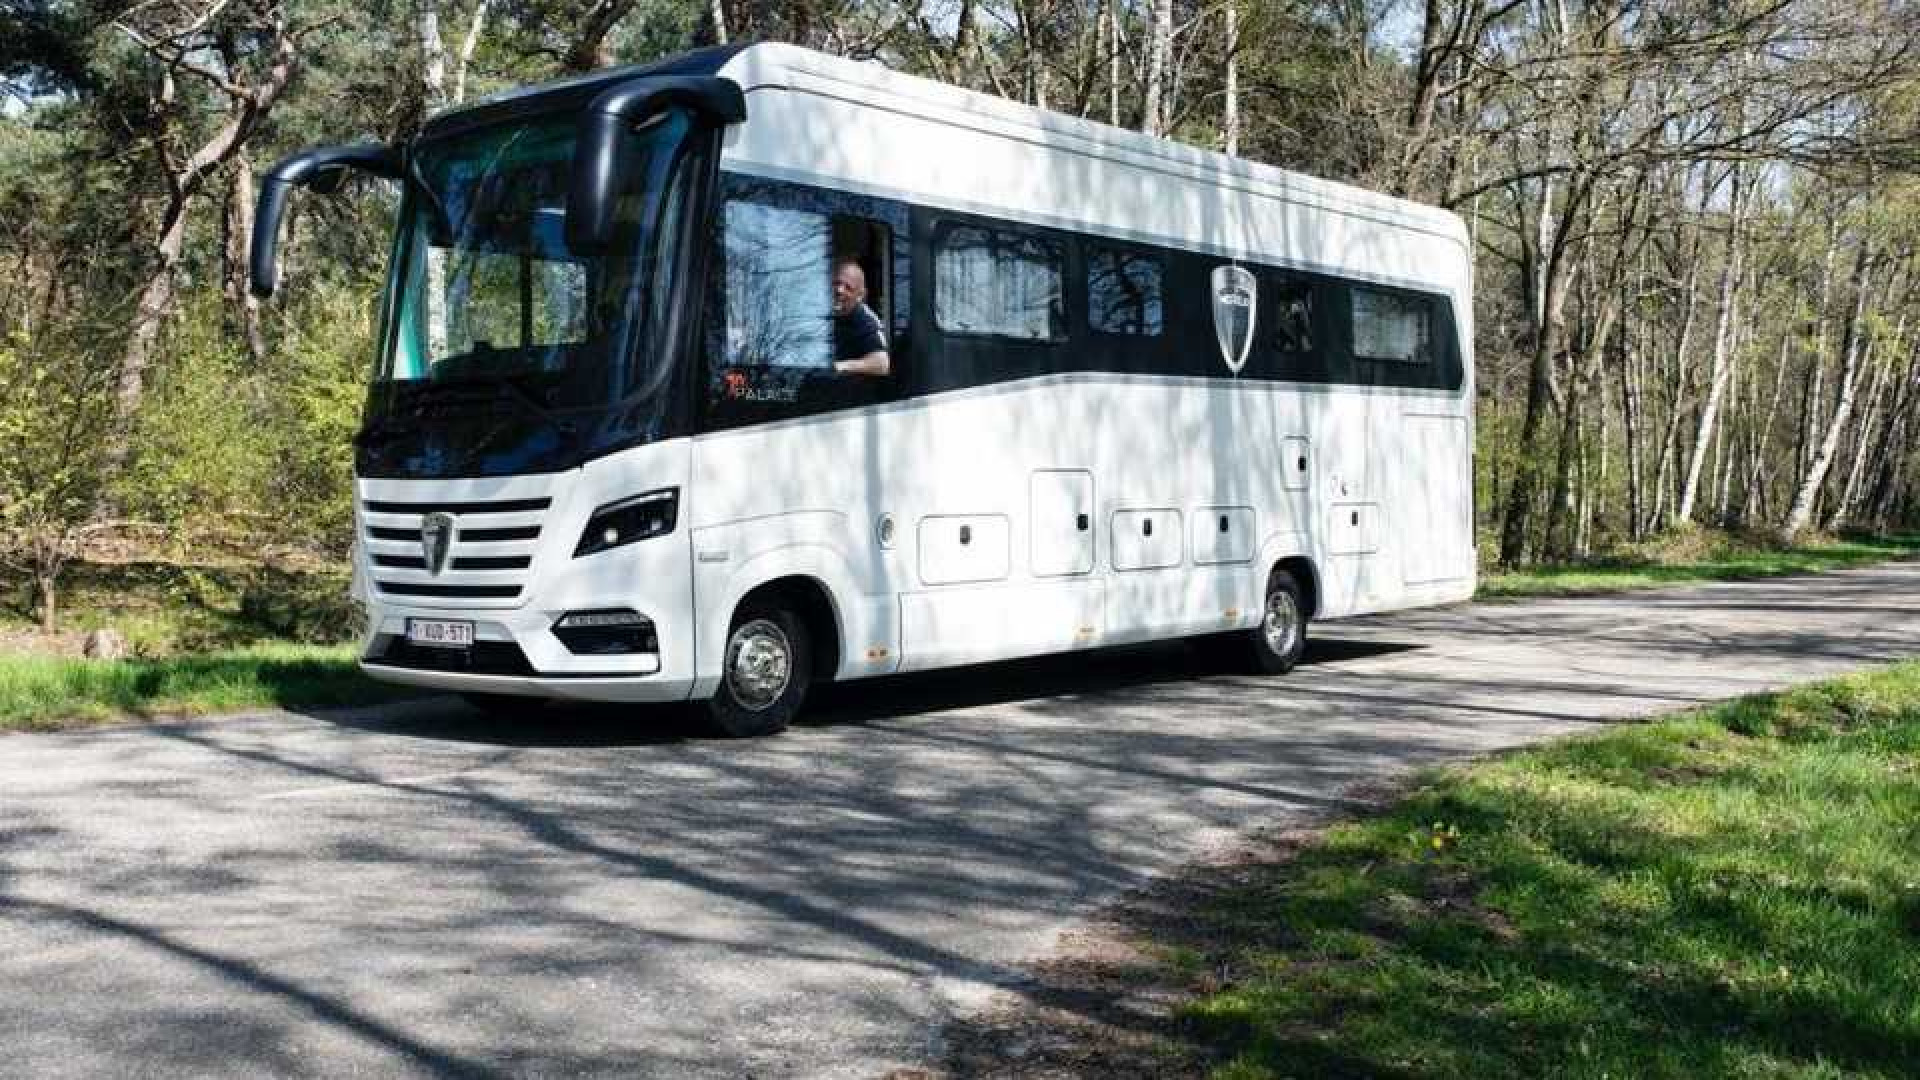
pixel 849 285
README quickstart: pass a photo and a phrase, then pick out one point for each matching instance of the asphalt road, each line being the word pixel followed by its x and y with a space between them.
pixel 419 890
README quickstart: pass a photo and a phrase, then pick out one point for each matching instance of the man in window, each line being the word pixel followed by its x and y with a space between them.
pixel 859 343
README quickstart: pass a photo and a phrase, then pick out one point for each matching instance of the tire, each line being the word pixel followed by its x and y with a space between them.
pixel 503 706
pixel 764 673
pixel 1276 643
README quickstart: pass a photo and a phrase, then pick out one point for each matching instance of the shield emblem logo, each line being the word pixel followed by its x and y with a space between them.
pixel 1234 295
pixel 436 541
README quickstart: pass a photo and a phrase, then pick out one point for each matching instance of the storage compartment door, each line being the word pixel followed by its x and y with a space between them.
pixel 1060 522
pixel 1221 534
pixel 1146 539
pixel 1353 528
pixel 1436 494
pixel 1296 463
pixel 960 548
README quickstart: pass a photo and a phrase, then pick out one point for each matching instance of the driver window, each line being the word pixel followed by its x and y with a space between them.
pixel 804 298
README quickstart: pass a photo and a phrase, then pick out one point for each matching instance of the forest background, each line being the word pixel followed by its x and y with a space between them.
pixel 1695 227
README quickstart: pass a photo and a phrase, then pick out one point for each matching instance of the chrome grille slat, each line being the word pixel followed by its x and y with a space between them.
pixel 519 519
pixel 478 592
pixel 490 535
pixel 503 506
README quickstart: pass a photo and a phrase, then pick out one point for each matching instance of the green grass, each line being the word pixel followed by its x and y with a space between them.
pixel 48 693
pixel 1733 892
pixel 1696 556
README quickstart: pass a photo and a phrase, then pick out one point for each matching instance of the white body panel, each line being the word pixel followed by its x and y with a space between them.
pixel 1054 479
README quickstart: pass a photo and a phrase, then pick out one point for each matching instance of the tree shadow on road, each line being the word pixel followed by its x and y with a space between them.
pixel 1096 675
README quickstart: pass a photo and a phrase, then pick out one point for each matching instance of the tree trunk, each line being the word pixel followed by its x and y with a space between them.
pixel 1728 310
pixel 237 223
pixel 1877 392
pixel 149 317
pixel 1676 381
pixel 1800 515
pixel 1230 122
pixel 1526 470
pixel 1159 67
pixel 1761 437
pixel 46 601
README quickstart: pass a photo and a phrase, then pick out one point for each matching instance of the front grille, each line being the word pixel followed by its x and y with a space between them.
pixel 492 548
pixel 482 658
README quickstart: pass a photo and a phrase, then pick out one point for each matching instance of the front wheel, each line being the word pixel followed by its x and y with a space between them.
pixel 765 671
pixel 1276 644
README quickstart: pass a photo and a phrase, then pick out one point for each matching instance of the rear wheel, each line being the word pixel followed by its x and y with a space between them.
pixel 1276 643
pixel 765 670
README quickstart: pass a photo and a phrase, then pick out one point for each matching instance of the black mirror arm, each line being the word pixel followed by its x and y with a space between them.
pixel 596 163
pixel 321 169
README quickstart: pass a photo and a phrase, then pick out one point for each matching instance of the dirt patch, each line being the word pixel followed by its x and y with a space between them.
pixel 17 641
pixel 1107 1002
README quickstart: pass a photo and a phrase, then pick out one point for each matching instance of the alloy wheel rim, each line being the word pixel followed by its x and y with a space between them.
pixel 759 663
pixel 1281 624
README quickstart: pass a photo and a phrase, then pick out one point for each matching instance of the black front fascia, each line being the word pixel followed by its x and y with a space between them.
pixel 431 433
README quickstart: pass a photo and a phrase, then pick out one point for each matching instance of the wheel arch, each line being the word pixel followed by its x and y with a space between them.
pixel 812 600
pixel 1301 569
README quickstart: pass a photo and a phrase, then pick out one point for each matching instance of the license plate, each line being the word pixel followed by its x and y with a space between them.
pixel 440 633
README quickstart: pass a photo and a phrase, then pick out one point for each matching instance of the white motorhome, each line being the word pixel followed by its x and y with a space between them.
pixel 1132 390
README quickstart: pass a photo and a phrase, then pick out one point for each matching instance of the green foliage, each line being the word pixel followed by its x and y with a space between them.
pixel 202 453
pixel 234 451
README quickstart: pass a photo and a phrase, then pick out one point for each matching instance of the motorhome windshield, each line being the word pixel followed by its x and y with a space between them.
pixel 499 336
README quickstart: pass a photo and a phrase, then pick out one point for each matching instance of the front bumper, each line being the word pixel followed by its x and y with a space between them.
pixel 513 573
pixel 571 688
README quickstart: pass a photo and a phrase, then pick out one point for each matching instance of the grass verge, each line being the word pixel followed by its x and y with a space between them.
pixel 40 693
pixel 1697 556
pixel 1732 892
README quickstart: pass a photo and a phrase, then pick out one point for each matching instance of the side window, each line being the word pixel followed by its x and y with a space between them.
pixel 997 283
pixel 781 328
pixel 778 288
pixel 1123 292
pixel 1392 327
pixel 1293 315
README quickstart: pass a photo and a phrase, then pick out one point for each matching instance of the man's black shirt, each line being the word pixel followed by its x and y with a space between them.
pixel 857 333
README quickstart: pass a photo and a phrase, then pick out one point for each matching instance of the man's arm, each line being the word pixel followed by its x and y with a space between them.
pixel 874 363
pixel 872 345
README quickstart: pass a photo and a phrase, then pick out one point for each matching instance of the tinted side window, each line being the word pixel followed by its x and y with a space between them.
pixel 996 283
pixel 773 338
pixel 1392 327
pixel 1123 292
pixel 778 301
pixel 1293 316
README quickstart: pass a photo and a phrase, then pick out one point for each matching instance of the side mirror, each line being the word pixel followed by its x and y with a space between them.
pixel 597 178
pixel 321 170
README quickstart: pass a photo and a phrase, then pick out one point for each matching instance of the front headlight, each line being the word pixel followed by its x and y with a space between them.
pixel 639 518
